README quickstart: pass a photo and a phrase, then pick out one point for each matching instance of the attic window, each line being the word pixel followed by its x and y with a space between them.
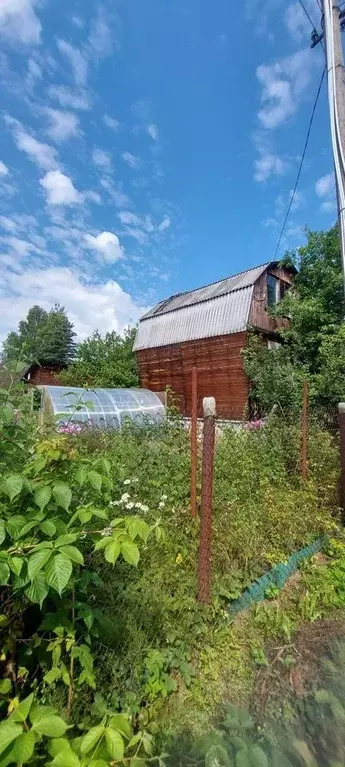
pixel 273 292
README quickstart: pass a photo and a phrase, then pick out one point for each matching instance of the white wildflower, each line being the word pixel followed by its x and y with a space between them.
pixel 161 505
pixel 127 482
pixel 114 503
pixel 125 497
pixel 135 479
pixel 164 498
pixel 106 532
pixel 130 505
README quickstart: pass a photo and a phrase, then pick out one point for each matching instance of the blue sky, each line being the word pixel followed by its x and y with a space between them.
pixel 149 147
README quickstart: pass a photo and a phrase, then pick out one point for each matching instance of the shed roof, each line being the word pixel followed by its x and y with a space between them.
pixel 217 309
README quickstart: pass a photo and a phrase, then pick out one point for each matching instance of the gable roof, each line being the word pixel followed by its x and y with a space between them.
pixel 217 309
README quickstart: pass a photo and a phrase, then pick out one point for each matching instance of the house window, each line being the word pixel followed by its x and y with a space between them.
pixel 273 345
pixel 284 287
pixel 273 294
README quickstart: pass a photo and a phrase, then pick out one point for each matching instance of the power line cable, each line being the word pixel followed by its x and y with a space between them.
pixel 307 13
pixel 301 163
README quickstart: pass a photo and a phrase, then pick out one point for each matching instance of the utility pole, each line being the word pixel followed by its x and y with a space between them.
pixel 333 21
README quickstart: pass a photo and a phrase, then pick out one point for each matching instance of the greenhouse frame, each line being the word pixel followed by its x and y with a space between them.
pixel 73 408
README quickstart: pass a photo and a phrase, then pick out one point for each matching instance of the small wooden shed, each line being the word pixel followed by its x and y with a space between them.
pixel 207 328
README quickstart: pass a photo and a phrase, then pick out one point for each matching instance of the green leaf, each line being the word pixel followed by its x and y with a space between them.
pixel 48 527
pixel 38 589
pixel 58 572
pixel 258 757
pixel 52 675
pixel 115 744
pixel 48 724
pixel 5 686
pixel 217 756
pixel 98 763
pixel 80 475
pixel 95 480
pixel 112 551
pixel 66 539
pixel 120 722
pixel 91 738
pixel 2 531
pixel 22 711
pixel 138 527
pixel 37 561
pixel 16 564
pixel 14 525
pixel 102 543
pixel 130 552
pixel 4 573
pixel 73 554
pixel 13 485
pixel 9 731
pixel 23 748
pixel 42 496
pixel 62 494
pixel 67 758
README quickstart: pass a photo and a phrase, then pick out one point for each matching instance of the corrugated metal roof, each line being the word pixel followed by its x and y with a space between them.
pixel 220 288
pixel 205 318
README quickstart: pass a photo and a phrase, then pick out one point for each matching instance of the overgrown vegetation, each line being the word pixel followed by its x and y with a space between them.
pixel 313 345
pixel 104 361
pixel 106 657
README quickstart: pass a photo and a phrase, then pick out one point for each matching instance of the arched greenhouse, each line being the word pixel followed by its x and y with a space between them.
pixel 73 408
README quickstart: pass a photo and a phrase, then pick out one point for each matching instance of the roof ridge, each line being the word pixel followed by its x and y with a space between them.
pixel 208 284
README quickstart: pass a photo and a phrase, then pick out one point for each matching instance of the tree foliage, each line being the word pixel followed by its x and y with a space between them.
pixel 107 361
pixel 313 344
pixel 43 337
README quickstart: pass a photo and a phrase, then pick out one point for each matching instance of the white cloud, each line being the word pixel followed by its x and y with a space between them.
pixel 126 217
pixel 117 195
pixel 20 247
pixel 267 165
pixel 101 159
pixel 93 305
pixel 283 84
pixel 93 196
pixel 3 169
pixel 75 99
pixel 18 21
pixel 77 60
pixel 110 122
pixel 165 224
pixel 297 21
pixel 42 154
pixel 325 189
pixel 153 131
pixel 59 189
pixel 131 160
pixel 63 125
pixel 107 244
pixel 325 185
pixel 100 37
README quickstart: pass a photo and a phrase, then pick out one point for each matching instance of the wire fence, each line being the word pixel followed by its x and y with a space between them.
pixel 298 433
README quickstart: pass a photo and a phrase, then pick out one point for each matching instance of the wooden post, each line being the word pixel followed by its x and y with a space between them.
pixel 304 447
pixel 341 407
pixel 194 441
pixel 204 569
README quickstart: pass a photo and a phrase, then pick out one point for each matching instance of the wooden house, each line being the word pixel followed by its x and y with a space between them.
pixel 207 328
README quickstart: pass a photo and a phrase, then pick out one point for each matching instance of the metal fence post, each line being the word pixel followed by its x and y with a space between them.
pixel 304 446
pixel 204 568
pixel 341 407
pixel 194 441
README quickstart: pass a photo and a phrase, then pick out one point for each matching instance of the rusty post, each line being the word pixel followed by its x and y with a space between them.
pixel 341 407
pixel 304 447
pixel 194 441
pixel 204 569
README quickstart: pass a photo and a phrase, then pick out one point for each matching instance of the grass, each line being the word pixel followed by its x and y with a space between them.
pixel 262 513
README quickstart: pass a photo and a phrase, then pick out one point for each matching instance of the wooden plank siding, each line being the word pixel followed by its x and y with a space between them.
pixel 259 316
pixel 220 372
